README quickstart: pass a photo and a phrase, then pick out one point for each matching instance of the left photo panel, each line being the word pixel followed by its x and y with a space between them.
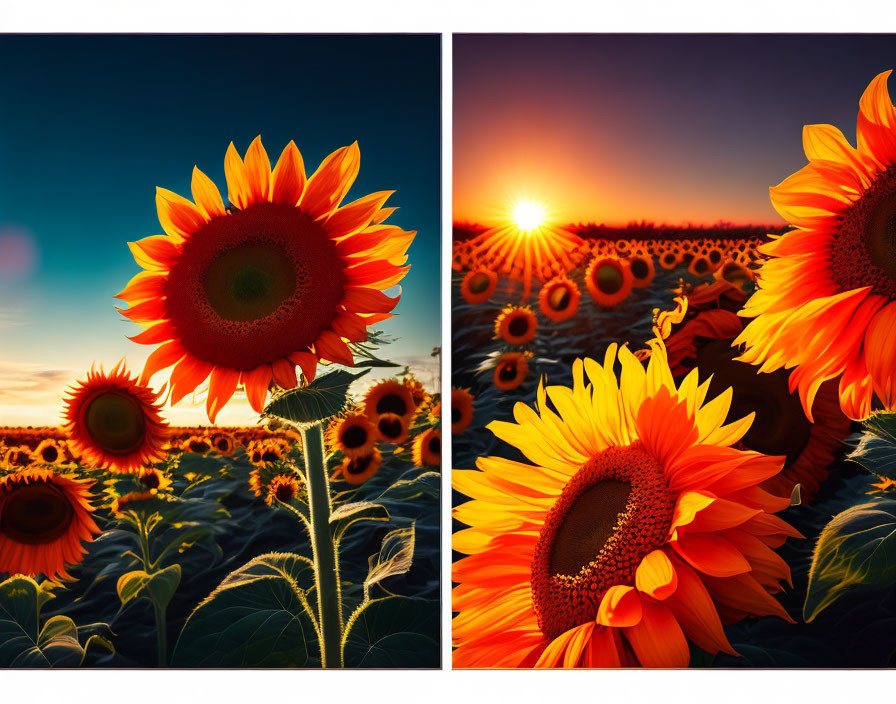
pixel 220 440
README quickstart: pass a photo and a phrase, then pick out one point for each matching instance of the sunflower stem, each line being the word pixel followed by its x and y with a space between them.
pixel 161 632
pixel 326 560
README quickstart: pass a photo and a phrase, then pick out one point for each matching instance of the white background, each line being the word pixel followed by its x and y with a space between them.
pixel 434 687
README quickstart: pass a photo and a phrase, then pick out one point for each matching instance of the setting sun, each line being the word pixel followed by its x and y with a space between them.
pixel 528 215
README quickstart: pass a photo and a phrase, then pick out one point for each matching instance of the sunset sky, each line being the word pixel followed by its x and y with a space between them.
pixel 668 128
pixel 91 125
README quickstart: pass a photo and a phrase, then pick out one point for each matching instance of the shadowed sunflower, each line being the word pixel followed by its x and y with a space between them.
pixel 826 301
pixel 353 435
pixel 637 528
pixel 418 392
pixel 428 448
pixel 392 428
pixel 18 456
pixel 198 445
pixel 223 444
pixel 153 480
pixel 478 285
pixel 49 451
pixel 283 488
pixel 44 517
pixel 359 469
pixel 642 270
pixel 283 277
pixel 113 421
pixel 559 299
pixel 516 325
pixel 609 280
pixel 461 410
pixel 389 396
pixel 511 370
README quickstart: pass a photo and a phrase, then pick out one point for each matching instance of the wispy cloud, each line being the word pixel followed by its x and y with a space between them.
pixel 11 318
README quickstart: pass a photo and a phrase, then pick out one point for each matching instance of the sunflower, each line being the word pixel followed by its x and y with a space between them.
pixel 153 480
pixel 609 280
pixel 389 396
pixel 113 421
pixel 18 456
pixel 283 488
pixel 461 410
pixel 734 274
pixel 511 370
pixel 418 393
pixel 435 412
pixel 478 285
pixel 559 299
pixel 392 428
pixel 826 300
pixel 428 448
pixel 642 270
pixel 49 451
pixel 359 469
pixel 263 452
pixel 198 445
pixel 223 444
pixel 670 259
pixel 637 529
pixel 353 435
pixel 44 517
pixel 283 277
pixel 516 325
pixel 699 265
pixel 261 476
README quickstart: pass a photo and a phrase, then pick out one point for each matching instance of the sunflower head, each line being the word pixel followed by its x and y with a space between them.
pixel 353 435
pixel 283 488
pixel 636 527
pixel 609 280
pixel 49 451
pixel 285 276
pixel 113 421
pixel 389 396
pixel 198 444
pixel 642 269
pixel 478 285
pixel 427 450
pixel 18 457
pixel 418 392
pixel 357 470
pixel 391 428
pixel 461 410
pixel 151 479
pixel 559 299
pixel 223 444
pixel 516 325
pixel 511 370
pixel 44 518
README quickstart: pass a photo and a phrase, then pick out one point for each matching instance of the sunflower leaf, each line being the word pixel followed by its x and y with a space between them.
pixel 876 451
pixel 324 397
pixel 393 632
pixel 259 616
pixel 348 514
pixel 857 547
pixel 158 587
pixel 395 557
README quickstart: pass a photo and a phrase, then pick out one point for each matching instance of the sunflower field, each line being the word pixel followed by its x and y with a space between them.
pixel 310 539
pixel 675 447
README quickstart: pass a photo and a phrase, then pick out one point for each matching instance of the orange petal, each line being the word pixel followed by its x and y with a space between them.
pixel 711 554
pixel 619 607
pixel 328 345
pixel 146 312
pixel 288 179
pixel 308 363
pixel 368 300
pixel 154 253
pixel 179 217
pixel 566 648
pixel 238 191
pixel 221 388
pixel 205 193
pixel 162 332
pixel 328 185
pixel 142 287
pixel 602 649
pixel 284 374
pixel 161 358
pixel 258 171
pixel 880 342
pixel 256 383
pixel 656 576
pixel 357 215
pixel 187 375
pixel 657 639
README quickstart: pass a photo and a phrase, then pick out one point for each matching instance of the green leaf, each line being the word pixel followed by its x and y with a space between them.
pixel 324 397
pixel 858 547
pixel 428 483
pixel 159 587
pixel 876 451
pixel 395 557
pixel 348 514
pixel 374 362
pixel 259 616
pixel 393 632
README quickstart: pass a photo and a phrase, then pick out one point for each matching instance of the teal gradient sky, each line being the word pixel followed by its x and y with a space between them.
pixel 92 124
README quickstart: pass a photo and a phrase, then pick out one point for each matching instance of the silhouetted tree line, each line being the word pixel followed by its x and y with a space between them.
pixel 644 230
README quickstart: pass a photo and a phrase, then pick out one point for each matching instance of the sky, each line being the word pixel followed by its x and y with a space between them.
pixel 91 125
pixel 665 128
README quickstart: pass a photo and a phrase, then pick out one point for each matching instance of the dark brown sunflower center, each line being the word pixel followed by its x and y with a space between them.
pixel 715 256
pixel 270 456
pixel 669 258
pixel 36 514
pixel 435 445
pixel 392 403
pixel 518 327
pixel 701 265
pixel 198 446
pixel 455 415
pixel 223 444
pixel 359 465
pixel 639 268
pixel 150 481
pixel 254 286
pixel 864 250
pixel 49 454
pixel 507 371
pixel 478 283
pixel 389 427
pixel 608 279
pixel 612 513
pixel 285 491
pixel 559 298
pixel 115 422
pixel 354 437
pixel 780 426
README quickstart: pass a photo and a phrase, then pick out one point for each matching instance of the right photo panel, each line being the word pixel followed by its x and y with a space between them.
pixel 673 403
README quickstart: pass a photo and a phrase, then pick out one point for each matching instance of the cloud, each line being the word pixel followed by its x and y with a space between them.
pixel 29 384
pixel 11 318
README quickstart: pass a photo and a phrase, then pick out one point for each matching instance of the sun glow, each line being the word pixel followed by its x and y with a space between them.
pixel 528 215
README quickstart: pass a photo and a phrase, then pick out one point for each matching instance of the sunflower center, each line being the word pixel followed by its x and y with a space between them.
pixel 389 427
pixel 639 268
pixel 285 491
pixel 391 403
pixel 358 465
pixel 435 445
pixel 608 279
pixel 612 513
pixel 559 298
pixel 518 327
pixel 354 437
pixel 49 454
pixel 478 283
pixel 701 265
pixel 36 514
pixel 150 481
pixel 115 422
pixel 864 252
pixel 780 426
pixel 253 286
pixel 198 447
pixel 507 372
pixel 455 415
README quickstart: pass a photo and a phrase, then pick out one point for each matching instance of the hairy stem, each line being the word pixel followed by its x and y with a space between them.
pixel 326 560
pixel 161 633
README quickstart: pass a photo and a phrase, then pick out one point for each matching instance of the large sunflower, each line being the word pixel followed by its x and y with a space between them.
pixel 44 516
pixel 282 277
pixel 826 301
pixel 113 421
pixel 637 528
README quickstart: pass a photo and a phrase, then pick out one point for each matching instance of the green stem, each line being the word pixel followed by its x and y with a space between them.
pixel 161 633
pixel 326 563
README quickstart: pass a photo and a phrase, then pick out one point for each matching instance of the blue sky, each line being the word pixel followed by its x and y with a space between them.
pixel 92 124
